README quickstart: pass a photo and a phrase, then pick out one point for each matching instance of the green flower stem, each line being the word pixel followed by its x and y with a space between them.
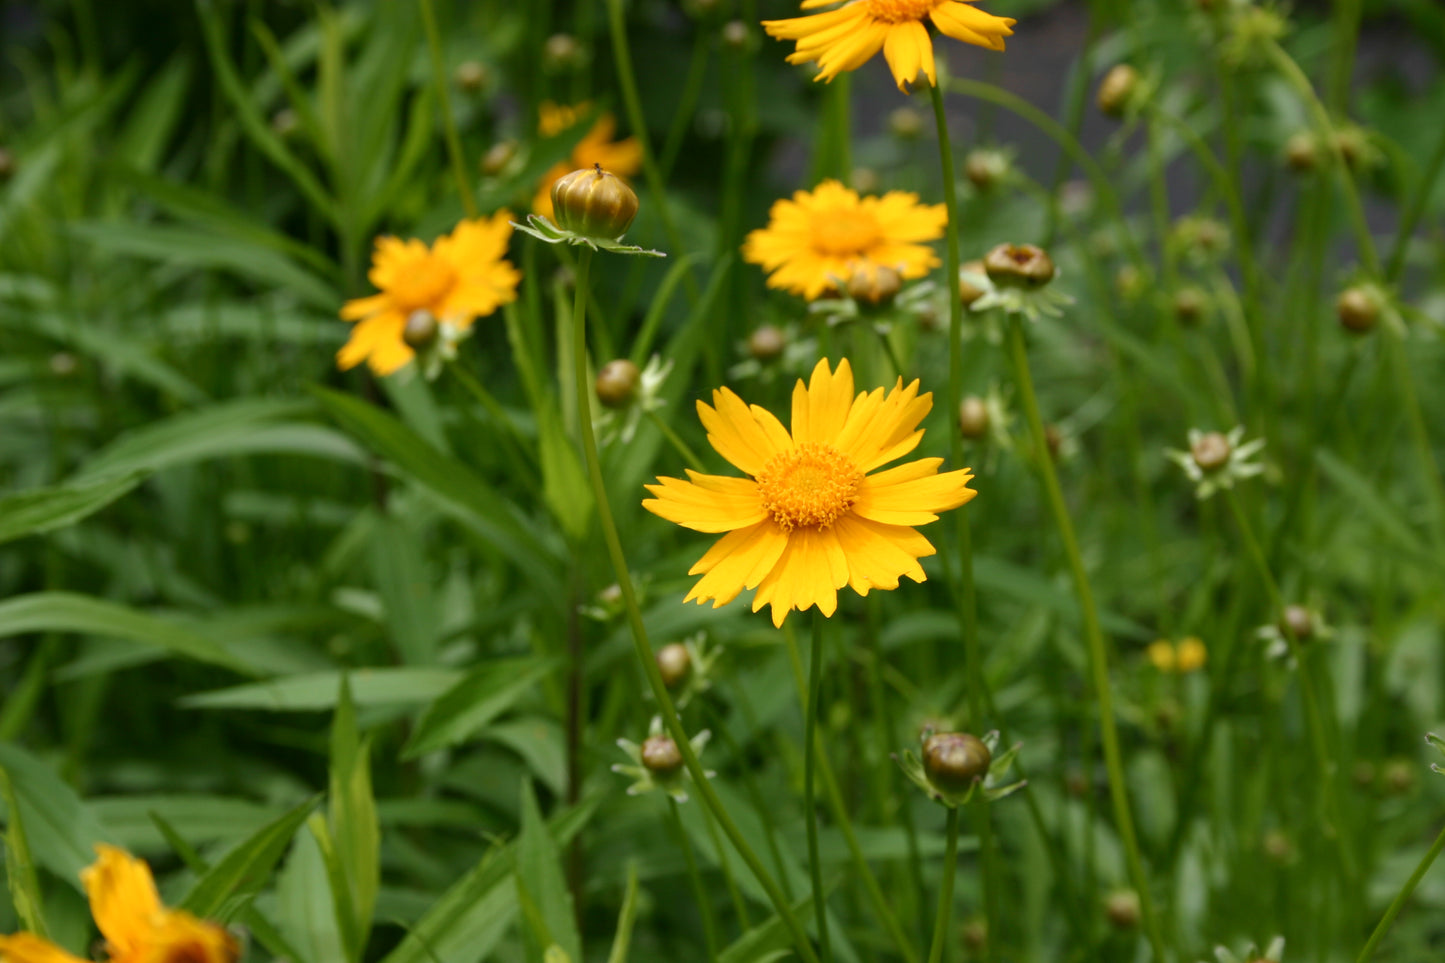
pixel 810 767
pixel 945 890
pixel 645 654
pixel 1364 240
pixel 950 268
pixel 449 123
pixel 1094 635
pixel 699 891
pixel 1411 217
pixel 678 445
pixel 1400 898
pixel 627 80
pixel 739 905
pixel 836 806
pixel 1419 433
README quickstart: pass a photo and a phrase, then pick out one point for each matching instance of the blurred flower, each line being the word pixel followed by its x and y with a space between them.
pixel 1118 92
pixel 1198 239
pixel 774 352
pixel 1215 461
pixel 657 763
pixel 1273 954
pixel 816 242
pixel 1020 275
pixel 1303 623
pixel 462 277
pixel 811 519
pixel 846 38
pixel 136 926
pixel 1188 655
pixel 623 157
pixel 619 423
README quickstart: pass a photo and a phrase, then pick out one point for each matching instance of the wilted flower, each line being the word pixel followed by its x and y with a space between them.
pixel 1215 461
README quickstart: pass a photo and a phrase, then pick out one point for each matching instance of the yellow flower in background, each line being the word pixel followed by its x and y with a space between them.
pixel 137 927
pixel 816 242
pixel 623 157
pixel 848 37
pixel 462 277
pixel 1188 656
pixel 811 519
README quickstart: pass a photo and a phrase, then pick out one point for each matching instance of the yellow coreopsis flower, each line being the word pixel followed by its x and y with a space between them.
pixel 623 157
pixel 463 276
pixel 137 927
pixel 848 37
pixel 811 519
pixel 817 241
pixel 1188 656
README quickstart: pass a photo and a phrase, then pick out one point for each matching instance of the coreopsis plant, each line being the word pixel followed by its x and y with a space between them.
pixel 136 926
pixel 429 295
pixel 847 37
pixel 811 519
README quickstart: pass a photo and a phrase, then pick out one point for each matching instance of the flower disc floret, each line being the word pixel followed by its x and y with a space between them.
pixel 809 486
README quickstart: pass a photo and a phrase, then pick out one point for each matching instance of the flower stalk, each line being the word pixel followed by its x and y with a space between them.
pixel 810 767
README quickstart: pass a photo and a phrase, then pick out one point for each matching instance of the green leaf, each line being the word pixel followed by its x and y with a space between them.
pixel 398 566
pixel 355 832
pixel 60 829
pixel 19 867
pixel 306 911
pixel 539 871
pixel 457 487
pixel 623 940
pixel 564 482
pixel 484 694
pixel 1365 496
pixel 316 691
pixel 67 612
pixel 234 881
pixel 767 941
pixel 46 509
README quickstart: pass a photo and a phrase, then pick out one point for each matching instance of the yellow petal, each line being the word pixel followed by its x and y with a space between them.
pixel 961 21
pixel 735 432
pixel 29 948
pixel 879 432
pixel 738 560
pixel 908 50
pixel 123 900
pixel 878 554
pixel 912 494
pixel 809 572
pixel 709 503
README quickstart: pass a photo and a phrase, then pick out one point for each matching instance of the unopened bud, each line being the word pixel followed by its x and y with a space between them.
pixel 470 76
pixel 1357 309
pixel 969 292
pixel 420 330
pixel 1189 305
pixel 1019 266
pixel 1354 146
pixel 7 164
pixel 594 203
pixel 63 364
pixel 285 123
pixel 985 168
pixel 498 156
pixel 1363 773
pixel 1054 439
pixel 1398 776
pixel 954 761
pixel 1129 282
pixel 975 934
pixel 1122 909
pixel 766 343
pixel 674 663
pixel 617 383
pixel 735 34
pixel 905 123
pixel 1277 846
pixel 562 52
pixel 875 285
pixel 1117 89
pixel 865 180
pixel 1297 622
pixel 1210 451
pixel 1301 152
pixel 660 755
pixel 973 417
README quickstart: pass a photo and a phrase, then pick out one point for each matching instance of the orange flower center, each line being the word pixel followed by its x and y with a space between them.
pixel 424 284
pixel 809 486
pixel 900 11
pixel 843 233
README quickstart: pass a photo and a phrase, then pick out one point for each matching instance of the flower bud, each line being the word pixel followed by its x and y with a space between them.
pixel 1357 309
pixel 1189 305
pixel 876 285
pixel 1398 775
pixel 661 756
pixel 973 417
pixel 1122 909
pixel 865 180
pixel 420 331
pixel 700 9
pixel 766 343
pixel 1354 146
pixel 1129 282
pixel 1019 266
pixel 905 123
pixel 470 76
pixel 1117 89
pixel 1054 440
pixel 1277 846
pixel 1210 451
pixel 967 291
pixel 498 156
pixel 975 934
pixel 735 34
pixel 1301 153
pixel 954 761
pixel 63 364
pixel 562 52
pixel 7 164
pixel 985 168
pixel 674 663
pixel 617 383
pixel 1298 622
pixel 285 123
pixel 594 203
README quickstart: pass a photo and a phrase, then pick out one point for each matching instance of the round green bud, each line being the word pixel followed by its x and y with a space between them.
pixel 420 330
pixel 766 343
pixel 973 417
pixel 594 203
pixel 660 755
pixel 1117 89
pixel 876 286
pixel 617 383
pixel 1019 266
pixel 674 663
pixel 470 76
pixel 1357 309
pixel 1189 305
pixel 1122 909
pixel 1297 622
pixel 954 761
pixel 1301 152
pixel 905 123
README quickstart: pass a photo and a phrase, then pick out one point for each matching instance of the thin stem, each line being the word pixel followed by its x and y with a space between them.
pixel 1400 897
pixel 1412 214
pixel 950 267
pixel 810 766
pixel 739 906
pixel 1094 635
pixel 945 890
pixel 699 891
pixel 1419 433
pixel 449 123
pixel 643 647
pixel 680 446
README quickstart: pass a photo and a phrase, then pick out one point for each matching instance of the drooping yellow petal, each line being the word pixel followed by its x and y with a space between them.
pixel 123 900
pixel 963 21
pixel 908 50
pixel 708 503
pixel 810 571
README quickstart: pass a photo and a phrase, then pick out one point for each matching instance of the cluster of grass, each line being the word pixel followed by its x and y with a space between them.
pixel 346 657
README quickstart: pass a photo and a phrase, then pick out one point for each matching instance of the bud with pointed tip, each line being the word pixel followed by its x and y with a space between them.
pixel 594 203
